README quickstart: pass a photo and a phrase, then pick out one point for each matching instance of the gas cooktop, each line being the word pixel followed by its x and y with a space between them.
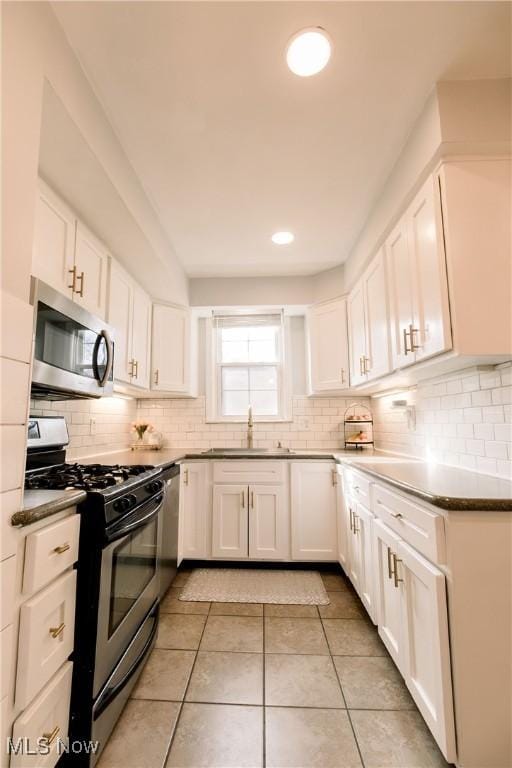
pixel 89 477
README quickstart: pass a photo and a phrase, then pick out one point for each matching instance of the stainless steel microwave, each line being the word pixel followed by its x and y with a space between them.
pixel 73 350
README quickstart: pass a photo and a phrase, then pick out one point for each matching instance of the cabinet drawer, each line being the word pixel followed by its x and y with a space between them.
pixel 252 471
pixel 420 528
pixel 46 636
pixel 49 551
pixel 47 716
pixel 357 486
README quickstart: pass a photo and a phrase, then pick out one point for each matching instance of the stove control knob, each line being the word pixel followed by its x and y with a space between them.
pixel 124 503
pixel 153 487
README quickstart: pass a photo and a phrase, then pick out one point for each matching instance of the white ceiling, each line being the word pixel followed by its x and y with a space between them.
pixel 231 146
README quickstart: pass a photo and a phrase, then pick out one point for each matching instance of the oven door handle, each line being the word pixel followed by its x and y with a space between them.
pixel 110 693
pixel 140 522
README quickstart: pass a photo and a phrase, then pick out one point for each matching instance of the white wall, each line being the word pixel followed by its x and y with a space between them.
pixel 35 48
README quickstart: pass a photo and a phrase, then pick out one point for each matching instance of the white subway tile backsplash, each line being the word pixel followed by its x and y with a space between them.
pixel 463 421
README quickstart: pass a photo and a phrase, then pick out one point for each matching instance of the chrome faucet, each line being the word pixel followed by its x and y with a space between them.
pixel 250 425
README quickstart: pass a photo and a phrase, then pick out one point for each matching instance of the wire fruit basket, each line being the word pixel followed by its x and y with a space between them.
pixel 357 426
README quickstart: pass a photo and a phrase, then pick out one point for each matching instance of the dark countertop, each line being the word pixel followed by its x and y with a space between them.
pixel 445 487
pixel 41 503
pixel 442 486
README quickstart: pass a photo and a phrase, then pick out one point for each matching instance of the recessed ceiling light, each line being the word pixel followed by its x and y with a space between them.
pixel 308 51
pixel 282 238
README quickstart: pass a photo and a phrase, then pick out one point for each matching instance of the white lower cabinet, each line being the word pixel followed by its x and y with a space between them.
pixel 313 510
pixel 269 523
pixel 194 510
pixel 46 718
pixel 46 635
pixel 362 537
pixel 230 528
pixel 413 624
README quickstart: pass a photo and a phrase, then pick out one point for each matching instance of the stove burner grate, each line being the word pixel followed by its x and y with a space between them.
pixel 89 477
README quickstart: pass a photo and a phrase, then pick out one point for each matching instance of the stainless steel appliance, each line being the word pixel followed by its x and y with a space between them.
pixel 73 350
pixel 117 577
pixel 169 555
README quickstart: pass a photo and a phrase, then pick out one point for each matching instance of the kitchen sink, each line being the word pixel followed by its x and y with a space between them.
pixel 256 451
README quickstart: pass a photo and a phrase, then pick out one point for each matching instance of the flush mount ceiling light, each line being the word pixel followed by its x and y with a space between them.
pixel 282 238
pixel 308 51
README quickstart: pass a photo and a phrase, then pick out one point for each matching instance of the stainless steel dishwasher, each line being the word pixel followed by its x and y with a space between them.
pixel 170 513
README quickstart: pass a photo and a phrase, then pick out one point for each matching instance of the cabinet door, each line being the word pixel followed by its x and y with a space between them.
pixel 268 523
pixel 141 337
pixel 54 241
pixel 170 348
pixel 344 530
pixel 357 334
pixel 354 552
pixel 431 320
pixel 400 284
pixel 194 511
pixel 91 262
pixel 120 317
pixel 230 533
pixel 363 529
pixel 426 644
pixel 328 352
pixel 313 511
pixel 376 314
pixel 388 592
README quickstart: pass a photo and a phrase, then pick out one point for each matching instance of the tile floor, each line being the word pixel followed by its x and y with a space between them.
pixel 284 686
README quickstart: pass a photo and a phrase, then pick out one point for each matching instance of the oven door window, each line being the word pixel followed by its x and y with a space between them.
pixel 134 563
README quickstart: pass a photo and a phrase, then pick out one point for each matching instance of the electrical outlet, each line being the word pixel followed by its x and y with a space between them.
pixel 92 426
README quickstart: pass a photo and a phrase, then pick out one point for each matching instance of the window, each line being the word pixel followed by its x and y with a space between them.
pixel 248 368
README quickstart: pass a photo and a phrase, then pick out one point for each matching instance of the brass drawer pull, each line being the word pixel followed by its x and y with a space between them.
pixel 356 527
pixel 57 631
pixel 412 331
pixel 73 284
pixel 390 567
pixel 136 367
pixel 62 548
pixel 342 375
pixel 185 477
pixel 396 560
pixel 157 372
pixel 396 515
pixel 50 737
pixel 80 291
pixel 406 348
pixel 252 499
pixel 351 513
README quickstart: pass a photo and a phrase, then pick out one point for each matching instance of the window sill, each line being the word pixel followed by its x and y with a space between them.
pixel 276 420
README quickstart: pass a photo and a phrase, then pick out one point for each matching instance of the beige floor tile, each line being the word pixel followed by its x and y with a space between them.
pixel 227 678
pixel 396 740
pixel 179 631
pixel 181 579
pixel 294 636
pixel 334 582
pixel 291 611
pixel 301 681
pixel 233 633
pixel 218 736
pixel 165 676
pixel 372 682
pixel 353 637
pixel 236 609
pixel 309 738
pixel 142 735
pixel 344 605
pixel 172 604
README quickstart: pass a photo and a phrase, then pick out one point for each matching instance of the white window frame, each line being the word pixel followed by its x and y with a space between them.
pixel 213 373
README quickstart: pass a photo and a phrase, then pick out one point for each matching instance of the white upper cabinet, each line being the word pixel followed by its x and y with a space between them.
pixel 368 324
pixel 357 334
pixel 141 337
pixel 420 322
pixel 67 256
pixel 53 254
pixel 90 272
pixel 328 347
pixel 172 350
pixel 130 314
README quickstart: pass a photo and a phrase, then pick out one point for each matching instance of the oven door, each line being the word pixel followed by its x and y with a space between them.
pixel 129 583
pixel 73 350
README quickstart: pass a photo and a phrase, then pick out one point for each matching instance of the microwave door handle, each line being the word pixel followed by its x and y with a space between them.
pixel 120 532
pixel 102 379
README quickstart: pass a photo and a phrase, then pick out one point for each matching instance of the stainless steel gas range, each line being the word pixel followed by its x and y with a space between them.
pixel 117 579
